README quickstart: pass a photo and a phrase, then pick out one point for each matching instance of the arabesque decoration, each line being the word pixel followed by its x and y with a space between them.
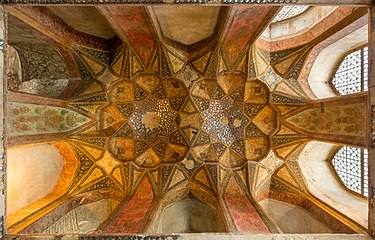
pixel 149 124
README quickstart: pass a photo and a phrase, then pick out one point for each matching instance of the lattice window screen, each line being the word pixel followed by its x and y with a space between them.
pixel 351 165
pixel 365 172
pixel 352 74
pixel 365 68
pixel 287 12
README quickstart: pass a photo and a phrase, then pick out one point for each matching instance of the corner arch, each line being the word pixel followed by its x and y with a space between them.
pixel 194 217
pixel 329 58
pixel 42 174
pixel 323 183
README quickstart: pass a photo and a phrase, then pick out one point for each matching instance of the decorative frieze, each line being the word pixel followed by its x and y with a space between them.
pixel 201 236
pixel 39 2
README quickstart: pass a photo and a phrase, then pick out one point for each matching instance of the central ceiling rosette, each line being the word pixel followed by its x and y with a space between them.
pixel 152 120
pixel 237 120
pixel 142 120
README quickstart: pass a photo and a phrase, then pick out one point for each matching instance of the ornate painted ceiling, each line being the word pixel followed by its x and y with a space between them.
pixel 172 108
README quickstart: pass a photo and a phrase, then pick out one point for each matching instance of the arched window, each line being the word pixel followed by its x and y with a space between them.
pixel 352 74
pixel 287 12
pixel 351 165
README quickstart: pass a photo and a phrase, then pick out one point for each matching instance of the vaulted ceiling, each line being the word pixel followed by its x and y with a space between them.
pixel 156 104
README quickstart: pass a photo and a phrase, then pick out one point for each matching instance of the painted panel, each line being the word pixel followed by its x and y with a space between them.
pixel 346 120
pixel 29 119
pixel 133 22
pixel 246 22
pixel 134 211
pixel 243 213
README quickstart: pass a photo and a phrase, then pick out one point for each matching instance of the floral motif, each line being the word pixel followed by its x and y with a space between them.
pixel 28 119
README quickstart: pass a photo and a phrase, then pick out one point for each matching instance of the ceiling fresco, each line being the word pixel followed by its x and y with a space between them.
pixel 148 124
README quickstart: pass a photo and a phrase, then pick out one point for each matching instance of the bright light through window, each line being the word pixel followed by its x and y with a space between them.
pixel 289 12
pixel 352 74
pixel 351 165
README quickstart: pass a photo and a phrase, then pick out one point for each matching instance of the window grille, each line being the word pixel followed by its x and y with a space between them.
pixel 352 74
pixel 287 12
pixel 351 166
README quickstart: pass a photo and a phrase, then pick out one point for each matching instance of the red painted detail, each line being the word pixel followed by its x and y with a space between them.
pixel 246 21
pixel 134 211
pixel 134 24
pixel 243 213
